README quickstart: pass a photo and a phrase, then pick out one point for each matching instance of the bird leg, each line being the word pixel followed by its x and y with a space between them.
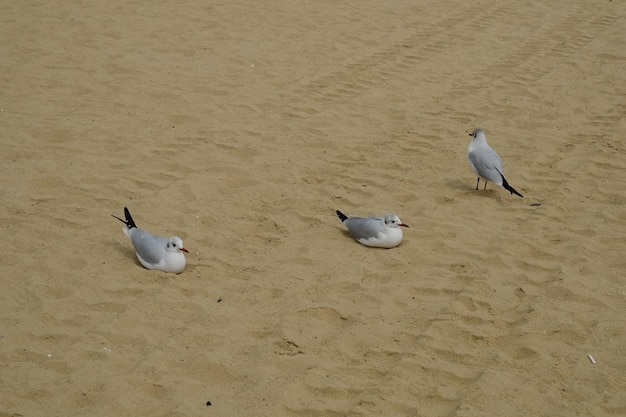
pixel 477 181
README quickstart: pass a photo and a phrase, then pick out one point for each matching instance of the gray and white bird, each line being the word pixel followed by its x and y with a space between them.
pixel 486 163
pixel 375 231
pixel 155 252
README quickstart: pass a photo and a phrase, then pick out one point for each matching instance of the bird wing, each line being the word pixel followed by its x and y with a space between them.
pixel 486 163
pixel 149 247
pixel 365 227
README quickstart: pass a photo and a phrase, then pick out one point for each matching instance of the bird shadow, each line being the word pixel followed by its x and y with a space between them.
pixel 491 192
pixel 463 186
pixel 128 252
pixel 460 185
pixel 345 232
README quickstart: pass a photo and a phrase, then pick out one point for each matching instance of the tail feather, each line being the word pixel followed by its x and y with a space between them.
pixel 507 187
pixel 341 216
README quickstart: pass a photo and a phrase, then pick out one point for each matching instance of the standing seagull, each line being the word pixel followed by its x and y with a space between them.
pixel 486 163
pixel 375 231
pixel 155 252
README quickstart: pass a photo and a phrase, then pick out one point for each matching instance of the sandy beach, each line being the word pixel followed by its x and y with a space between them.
pixel 241 127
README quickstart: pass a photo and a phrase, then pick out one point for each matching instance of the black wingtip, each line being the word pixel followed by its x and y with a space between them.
pixel 129 222
pixel 341 216
pixel 510 189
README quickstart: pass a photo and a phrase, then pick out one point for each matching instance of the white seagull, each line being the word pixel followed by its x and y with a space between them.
pixel 155 252
pixel 375 231
pixel 486 163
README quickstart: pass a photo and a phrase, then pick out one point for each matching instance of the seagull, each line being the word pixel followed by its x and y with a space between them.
pixel 486 163
pixel 155 252
pixel 375 231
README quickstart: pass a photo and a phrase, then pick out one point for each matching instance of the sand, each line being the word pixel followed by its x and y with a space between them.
pixel 241 127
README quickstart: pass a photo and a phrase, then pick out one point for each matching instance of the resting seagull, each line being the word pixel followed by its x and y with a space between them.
pixel 375 231
pixel 155 252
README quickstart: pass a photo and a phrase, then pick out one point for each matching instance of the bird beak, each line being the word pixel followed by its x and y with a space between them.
pixel 403 225
pixel 184 250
